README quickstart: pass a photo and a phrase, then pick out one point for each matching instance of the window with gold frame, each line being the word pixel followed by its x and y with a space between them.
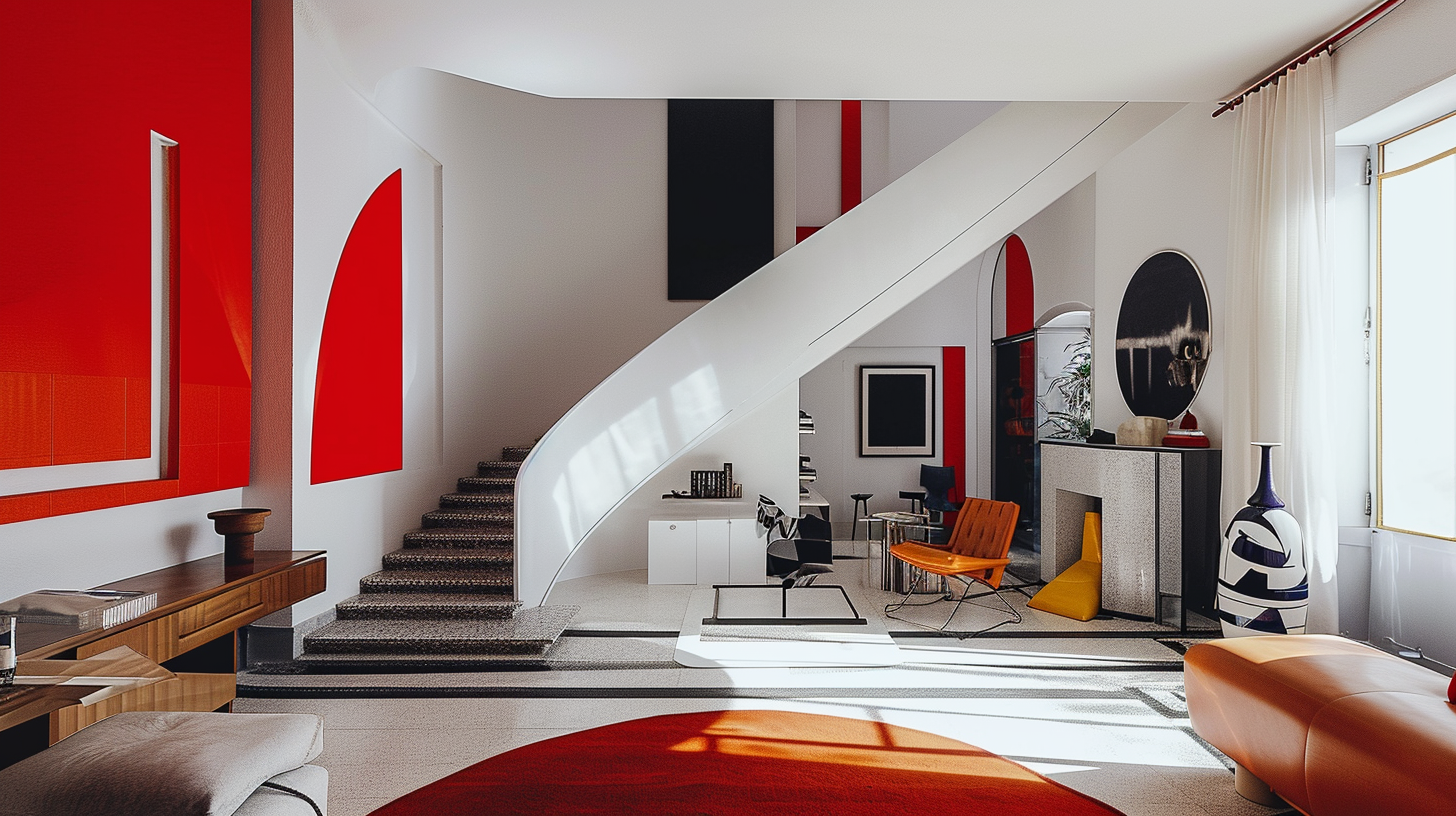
pixel 1415 295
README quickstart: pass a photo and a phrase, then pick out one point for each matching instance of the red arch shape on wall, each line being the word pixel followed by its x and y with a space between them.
pixel 1020 297
pixel 358 402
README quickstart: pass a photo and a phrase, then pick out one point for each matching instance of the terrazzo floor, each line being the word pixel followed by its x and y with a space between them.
pixel 1104 715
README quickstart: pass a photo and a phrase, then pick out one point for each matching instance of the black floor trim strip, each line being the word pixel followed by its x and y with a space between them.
pixel 915 634
pixel 621 633
pixel 631 693
pixel 1054 634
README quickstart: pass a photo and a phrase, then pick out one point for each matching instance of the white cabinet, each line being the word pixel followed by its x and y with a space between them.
pixel 714 538
pixel 672 552
pixel 704 551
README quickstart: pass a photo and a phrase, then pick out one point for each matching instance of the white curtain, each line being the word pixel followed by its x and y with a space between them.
pixel 1279 319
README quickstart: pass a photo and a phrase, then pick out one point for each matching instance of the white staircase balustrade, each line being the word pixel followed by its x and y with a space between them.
pixel 799 310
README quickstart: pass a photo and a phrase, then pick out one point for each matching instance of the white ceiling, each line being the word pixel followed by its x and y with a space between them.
pixel 1169 50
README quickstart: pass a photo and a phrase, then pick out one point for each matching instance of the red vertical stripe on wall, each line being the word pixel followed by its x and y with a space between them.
pixel 358 403
pixel 953 413
pixel 850 161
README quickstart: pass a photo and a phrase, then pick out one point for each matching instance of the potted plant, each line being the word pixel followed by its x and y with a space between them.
pixel 1073 388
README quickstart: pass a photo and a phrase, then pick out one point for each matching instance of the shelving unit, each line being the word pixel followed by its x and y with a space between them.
pixel 808 496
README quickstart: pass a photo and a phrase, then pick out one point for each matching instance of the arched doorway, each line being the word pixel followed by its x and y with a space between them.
pixel 1013 380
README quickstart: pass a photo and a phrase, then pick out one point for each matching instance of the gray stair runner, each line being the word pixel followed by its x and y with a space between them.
pixel 447 598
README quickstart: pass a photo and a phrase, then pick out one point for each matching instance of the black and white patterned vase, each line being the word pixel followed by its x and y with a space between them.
pixel 1263 581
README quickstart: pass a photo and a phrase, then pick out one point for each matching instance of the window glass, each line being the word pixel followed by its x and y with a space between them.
pixel 1416 297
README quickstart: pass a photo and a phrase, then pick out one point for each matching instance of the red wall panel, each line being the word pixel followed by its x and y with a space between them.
pixel 358 403
pixel 851 159
pixel 83 85
pixel 953 417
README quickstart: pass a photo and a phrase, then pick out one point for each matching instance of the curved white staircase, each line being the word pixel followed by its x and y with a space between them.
pixel 747 345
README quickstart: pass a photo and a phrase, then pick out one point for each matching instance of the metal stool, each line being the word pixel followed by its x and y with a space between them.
pixel 860 499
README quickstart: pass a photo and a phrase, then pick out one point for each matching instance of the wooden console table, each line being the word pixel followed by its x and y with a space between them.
pixel 192 632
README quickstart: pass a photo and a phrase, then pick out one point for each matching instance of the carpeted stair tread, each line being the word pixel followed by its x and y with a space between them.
pixel 462 517
pixel 498 468
pixel 426 606
pixel 484 582
pixel 460 537
pixel 480 501
pixel 531 631
pixel 449 558
pixel 447 599
pixel 380 663
pixel 486 484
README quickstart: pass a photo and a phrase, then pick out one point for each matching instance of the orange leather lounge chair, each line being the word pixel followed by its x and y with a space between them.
pixel 975 554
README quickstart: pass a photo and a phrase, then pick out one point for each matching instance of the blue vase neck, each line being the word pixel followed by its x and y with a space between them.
pixel 1264 495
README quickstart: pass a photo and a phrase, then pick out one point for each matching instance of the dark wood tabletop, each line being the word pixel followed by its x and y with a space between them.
pixel 177 587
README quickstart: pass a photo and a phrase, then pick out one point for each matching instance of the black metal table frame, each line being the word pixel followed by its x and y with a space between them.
pixel 783 619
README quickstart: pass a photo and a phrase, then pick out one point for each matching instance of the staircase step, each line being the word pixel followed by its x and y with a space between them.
pixel 460 517
pixel 460 537
pixel 483 582
pixel 478 501
pixel 450 558
pixel 426 606
pixel 487 484
pixel 515 453
pixel 498 468
pixel 530 632
pixel 379 663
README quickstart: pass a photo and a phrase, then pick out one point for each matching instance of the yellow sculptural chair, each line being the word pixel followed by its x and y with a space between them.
pixel 1077 592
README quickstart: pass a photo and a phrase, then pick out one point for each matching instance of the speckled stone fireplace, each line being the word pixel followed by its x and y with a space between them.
pixel 1159 524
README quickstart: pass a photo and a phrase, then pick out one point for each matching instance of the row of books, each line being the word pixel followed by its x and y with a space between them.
pixel 806 422
pixel 79 608
pixel 715 484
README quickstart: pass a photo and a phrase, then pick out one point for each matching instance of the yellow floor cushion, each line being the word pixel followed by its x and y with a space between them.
pixel 1076 593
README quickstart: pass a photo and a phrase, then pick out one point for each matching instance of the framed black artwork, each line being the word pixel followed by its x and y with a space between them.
pixel 897 411
pixel 1163 337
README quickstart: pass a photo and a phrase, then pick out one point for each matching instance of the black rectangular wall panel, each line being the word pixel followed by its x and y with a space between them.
pixel 720 194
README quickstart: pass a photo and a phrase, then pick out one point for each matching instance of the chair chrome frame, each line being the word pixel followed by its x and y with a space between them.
pixel 945 595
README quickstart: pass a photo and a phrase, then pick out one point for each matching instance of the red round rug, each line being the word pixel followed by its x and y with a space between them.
pixel 746 762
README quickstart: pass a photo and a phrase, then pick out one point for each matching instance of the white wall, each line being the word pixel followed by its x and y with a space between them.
pixel 1405 51
pixel 944 316
pixel 920 129
pixel 1060 242
pixel 816 160
pixel 874 124
pixel 88 549
pixel 765 461
pixel 555 237
pixel 1168 191
pixel 343 149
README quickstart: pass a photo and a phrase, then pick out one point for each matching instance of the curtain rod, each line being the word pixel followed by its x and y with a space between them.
pixel 1327 44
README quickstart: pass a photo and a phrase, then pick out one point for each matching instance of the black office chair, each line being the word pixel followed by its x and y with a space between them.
pixel 939 484
pixel 936 500
pixel 795 543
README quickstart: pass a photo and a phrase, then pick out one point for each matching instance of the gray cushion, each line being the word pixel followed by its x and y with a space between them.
pixel 310 780
pixel 160 764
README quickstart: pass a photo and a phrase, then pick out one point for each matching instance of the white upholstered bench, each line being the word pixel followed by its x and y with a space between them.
pixel 182 763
